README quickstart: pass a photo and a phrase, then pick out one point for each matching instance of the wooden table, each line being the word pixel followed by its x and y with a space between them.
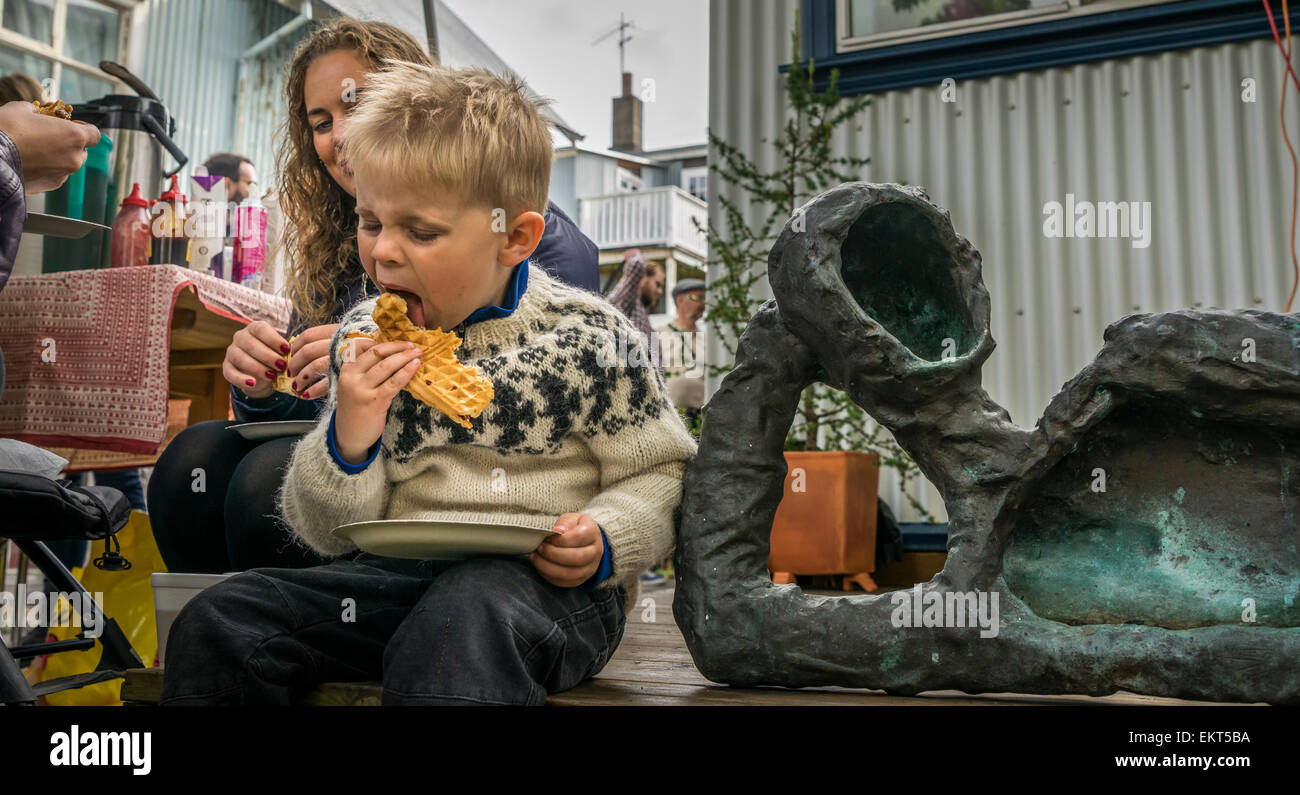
pixel 198 347
pixel 105 402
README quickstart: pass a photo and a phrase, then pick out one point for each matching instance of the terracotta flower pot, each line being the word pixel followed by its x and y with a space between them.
pixel 826 522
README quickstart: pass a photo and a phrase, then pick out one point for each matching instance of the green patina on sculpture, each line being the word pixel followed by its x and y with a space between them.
pixel 1141 537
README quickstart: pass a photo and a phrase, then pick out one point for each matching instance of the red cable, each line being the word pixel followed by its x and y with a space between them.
pixel 1295 168
pixel 1277 38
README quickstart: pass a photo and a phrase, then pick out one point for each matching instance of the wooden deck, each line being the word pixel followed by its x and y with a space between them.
pixel 652 667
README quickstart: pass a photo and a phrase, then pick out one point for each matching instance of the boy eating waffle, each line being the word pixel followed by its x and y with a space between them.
pixel 452 169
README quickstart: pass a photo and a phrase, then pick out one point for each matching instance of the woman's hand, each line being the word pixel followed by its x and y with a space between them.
pixel 50 148
pixel 370 377
pixel 309 361
pixel 255 356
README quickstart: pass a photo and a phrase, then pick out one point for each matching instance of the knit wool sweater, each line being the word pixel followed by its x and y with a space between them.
pixel 571 429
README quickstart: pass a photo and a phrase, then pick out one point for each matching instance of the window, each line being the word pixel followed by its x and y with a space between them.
pixel 896 44
pixel 61 42
pixel 865 23
pixel 695 181
pixel 628 182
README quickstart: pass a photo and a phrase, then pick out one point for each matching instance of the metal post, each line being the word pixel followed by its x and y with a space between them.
pixel 431 29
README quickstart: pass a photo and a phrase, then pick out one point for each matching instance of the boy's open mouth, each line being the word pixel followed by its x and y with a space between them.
pixel 414 306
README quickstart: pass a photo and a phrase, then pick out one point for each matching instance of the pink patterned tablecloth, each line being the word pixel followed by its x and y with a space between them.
pixel 86 352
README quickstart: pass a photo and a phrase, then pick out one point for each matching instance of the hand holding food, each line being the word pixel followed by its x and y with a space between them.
pixel 255 357
pixel 58 109
pixel 50 148
pixel 459 391
pixel 309 362
pixel 369 378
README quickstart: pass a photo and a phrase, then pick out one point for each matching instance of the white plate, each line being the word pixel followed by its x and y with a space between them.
pixel 429 539
pixel 258 431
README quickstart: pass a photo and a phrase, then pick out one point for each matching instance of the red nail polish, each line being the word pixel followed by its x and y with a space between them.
pixel 270 374
pixel 285 349
pixel 279 363
pixel 304 396
pixel 294 386
pixel 251 382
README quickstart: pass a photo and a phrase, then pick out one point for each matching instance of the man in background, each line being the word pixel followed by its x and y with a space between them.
pixel 682 350
pixel 238 171
pixel 638 291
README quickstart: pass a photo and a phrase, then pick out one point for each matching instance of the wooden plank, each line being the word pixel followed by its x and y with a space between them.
pixel 209 329
pixel 345 694
pixel 142 686
pixel 203 359
pixel 601 691
pixel 183 319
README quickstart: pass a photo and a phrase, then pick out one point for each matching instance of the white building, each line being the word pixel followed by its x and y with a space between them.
pixel 627 197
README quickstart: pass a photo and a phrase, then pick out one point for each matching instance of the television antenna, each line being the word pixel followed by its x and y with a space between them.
pixel 623 38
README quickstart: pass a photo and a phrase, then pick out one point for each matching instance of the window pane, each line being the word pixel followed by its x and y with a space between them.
pixel 32 18
pixel 882 16
pixel 91 35
pixel 12 60
pixel 79 87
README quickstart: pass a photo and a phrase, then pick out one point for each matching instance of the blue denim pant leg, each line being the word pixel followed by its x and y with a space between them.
pixel 268 636
pixel 493 631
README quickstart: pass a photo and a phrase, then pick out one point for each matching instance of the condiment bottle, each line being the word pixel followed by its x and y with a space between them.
pixel 171 246
pixel 130 234
pixel 250 243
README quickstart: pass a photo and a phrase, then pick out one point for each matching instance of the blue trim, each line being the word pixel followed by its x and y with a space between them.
pixel 517 285
pixel 818 22
pixel 1059 41
pixel 350 469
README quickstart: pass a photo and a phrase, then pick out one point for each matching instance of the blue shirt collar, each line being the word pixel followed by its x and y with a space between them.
pixel 514 290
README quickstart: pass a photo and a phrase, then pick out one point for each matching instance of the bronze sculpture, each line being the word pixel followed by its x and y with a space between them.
pixel 1178 577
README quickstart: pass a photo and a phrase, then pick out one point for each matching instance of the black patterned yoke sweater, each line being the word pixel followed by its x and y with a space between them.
pixel 572 428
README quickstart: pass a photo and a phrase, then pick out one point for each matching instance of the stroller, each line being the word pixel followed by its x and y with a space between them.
pixel 33 509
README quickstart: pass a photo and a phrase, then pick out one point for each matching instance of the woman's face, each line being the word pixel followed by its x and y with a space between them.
pixel 332 87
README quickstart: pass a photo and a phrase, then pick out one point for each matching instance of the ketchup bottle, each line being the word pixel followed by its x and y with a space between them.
pixel 131 232
pixel 171 246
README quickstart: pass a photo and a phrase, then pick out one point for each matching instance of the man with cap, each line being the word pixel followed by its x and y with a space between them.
pixel 682 351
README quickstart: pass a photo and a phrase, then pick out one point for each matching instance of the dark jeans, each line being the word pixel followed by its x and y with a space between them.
pixel 481 631
pixel 212 503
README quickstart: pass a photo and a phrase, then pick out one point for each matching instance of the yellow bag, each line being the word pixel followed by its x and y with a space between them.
pixel 128 600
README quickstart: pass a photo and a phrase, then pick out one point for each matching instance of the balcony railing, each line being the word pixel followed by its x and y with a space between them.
pixel 646 218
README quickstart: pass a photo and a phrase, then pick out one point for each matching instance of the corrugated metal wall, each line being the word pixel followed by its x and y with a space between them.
pixel 188 52
pixel 1171 129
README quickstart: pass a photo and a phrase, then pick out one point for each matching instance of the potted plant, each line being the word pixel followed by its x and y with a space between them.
pixel 826 522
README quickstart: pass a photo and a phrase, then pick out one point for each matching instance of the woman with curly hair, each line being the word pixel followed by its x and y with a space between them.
pixel 212 494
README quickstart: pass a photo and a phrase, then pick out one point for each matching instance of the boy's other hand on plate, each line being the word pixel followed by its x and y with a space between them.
pixel 569 558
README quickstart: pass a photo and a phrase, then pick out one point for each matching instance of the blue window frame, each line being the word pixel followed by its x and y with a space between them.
pixel 1036 43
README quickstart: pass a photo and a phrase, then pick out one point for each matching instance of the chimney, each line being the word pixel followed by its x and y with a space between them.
pixel 627 119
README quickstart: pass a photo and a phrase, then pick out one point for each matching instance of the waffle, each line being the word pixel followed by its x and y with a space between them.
pixel 56 108
pixel 442 382
pixel 283 383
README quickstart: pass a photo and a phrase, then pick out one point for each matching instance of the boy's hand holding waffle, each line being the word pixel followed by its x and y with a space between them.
pixel 401 356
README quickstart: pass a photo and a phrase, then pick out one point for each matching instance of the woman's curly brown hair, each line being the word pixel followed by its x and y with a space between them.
pixel 321 239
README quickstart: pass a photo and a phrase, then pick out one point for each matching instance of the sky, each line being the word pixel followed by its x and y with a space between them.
pixel 549 43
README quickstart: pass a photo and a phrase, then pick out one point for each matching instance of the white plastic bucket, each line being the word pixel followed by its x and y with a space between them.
pixel 170 593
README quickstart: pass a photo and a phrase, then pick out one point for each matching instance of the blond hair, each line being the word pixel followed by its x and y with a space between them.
pixel 321 238
pixel 475 134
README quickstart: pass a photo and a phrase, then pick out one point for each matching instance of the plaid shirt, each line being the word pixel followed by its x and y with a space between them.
pixel 626 296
